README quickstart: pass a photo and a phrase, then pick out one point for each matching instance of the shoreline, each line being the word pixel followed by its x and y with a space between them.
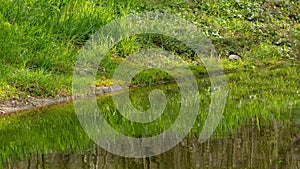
pixel 14 105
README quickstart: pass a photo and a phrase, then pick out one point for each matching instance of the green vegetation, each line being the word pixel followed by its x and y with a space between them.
pixel 40 40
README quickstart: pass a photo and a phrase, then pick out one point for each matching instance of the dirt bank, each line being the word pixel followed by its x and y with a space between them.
pixel 14 105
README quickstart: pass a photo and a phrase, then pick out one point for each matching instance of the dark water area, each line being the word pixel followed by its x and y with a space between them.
pixel 247 147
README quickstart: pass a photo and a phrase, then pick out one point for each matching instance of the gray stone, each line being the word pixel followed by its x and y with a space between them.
pixel 234 57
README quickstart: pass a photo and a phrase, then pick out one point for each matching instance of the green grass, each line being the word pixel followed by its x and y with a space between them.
pixel 40 40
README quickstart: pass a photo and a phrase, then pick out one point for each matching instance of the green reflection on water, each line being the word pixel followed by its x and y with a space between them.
pixel 264 98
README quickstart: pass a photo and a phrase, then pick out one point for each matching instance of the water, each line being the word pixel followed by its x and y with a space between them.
pixel 272 147
pixel 255 132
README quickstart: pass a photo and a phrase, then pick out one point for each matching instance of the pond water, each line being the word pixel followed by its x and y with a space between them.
pixel 272 147
pixel 256 131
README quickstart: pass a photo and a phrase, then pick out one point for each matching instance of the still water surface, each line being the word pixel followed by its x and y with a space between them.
pixel 53 138
pixel 272 147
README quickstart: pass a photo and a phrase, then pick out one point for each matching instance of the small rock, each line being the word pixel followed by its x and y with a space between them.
pixel 234 57
pixel 106 89
pixel 2 112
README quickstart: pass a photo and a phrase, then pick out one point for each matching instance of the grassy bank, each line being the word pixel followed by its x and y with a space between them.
pixel 40 40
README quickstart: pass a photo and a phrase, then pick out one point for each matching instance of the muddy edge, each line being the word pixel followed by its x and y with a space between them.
pixel 14 105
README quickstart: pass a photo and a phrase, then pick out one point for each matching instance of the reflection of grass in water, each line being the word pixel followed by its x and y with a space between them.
pixel 57 129
pixel 264 95
pixel 296 119
pixel 139 99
